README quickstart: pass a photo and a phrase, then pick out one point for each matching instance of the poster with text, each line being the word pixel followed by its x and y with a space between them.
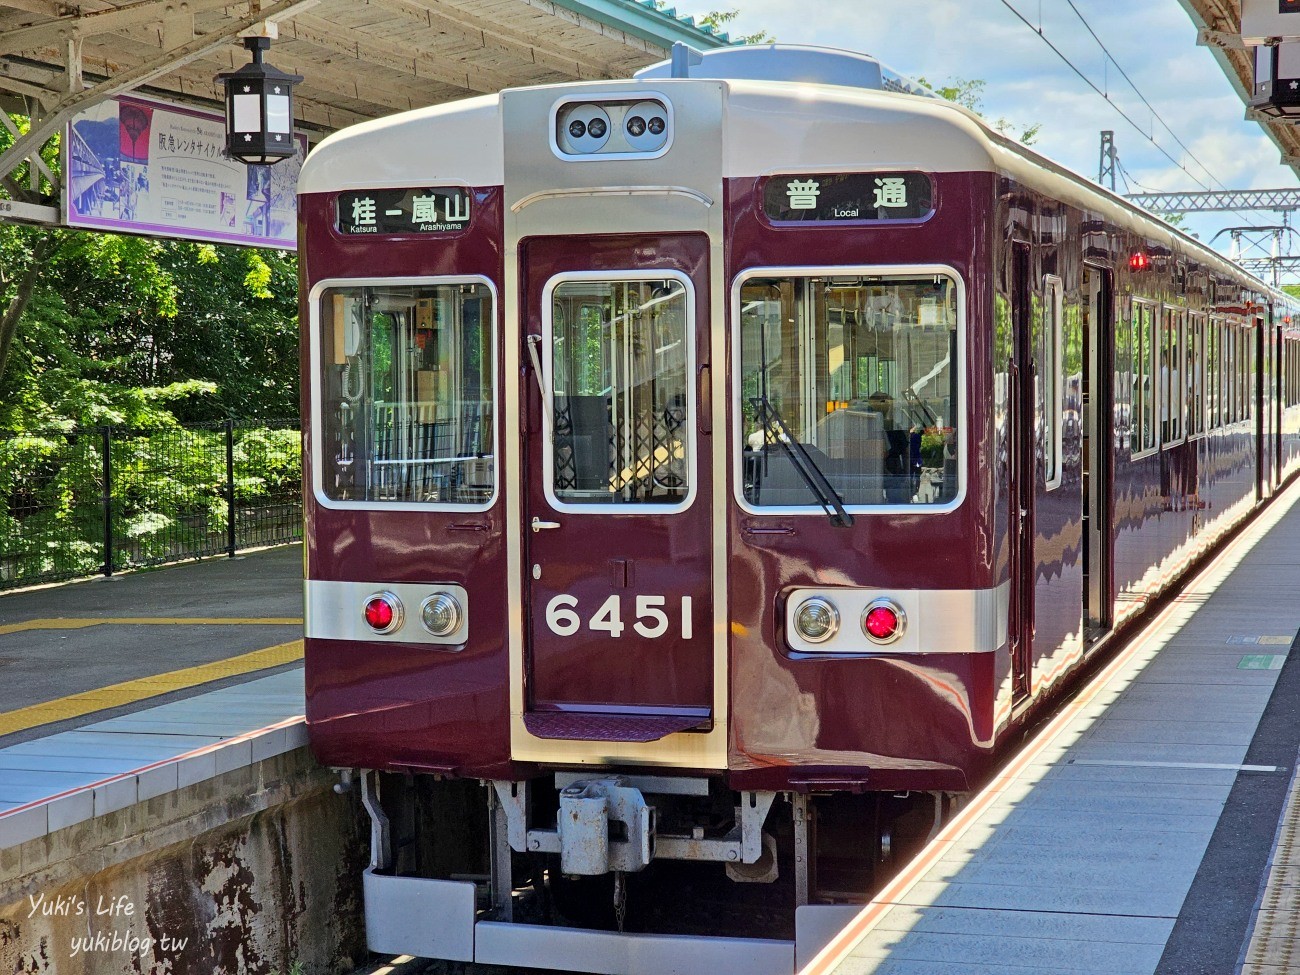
pixel 138 166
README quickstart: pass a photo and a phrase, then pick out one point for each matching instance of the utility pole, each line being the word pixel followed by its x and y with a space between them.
pixel 1106 164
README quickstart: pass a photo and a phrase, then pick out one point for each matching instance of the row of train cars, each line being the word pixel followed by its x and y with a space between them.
pixel 713 473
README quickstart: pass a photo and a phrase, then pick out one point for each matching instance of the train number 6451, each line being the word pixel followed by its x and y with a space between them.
pixel 650 611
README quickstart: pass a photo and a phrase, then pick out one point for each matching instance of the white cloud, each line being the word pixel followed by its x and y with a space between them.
pixel 1154 41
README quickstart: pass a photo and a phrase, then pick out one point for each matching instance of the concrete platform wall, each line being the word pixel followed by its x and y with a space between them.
pixel 247 873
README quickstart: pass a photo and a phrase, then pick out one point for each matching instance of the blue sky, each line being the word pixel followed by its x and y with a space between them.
pixel 1154 41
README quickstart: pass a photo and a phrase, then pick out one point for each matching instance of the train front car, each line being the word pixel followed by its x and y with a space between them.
pixel 648 549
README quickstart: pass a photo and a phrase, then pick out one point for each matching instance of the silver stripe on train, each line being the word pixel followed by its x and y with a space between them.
pixel 937 620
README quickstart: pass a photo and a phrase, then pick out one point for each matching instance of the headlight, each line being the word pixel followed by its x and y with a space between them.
pixel 816 620
pixel 645 127
pixel 582 128
pixel 441 614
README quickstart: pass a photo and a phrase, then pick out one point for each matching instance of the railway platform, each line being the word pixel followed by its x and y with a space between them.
pixel 121 690
pixel 1151 828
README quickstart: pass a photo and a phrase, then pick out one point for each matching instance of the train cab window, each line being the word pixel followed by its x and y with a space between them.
pixel 849 381
pixel 407 394
pixel 619 374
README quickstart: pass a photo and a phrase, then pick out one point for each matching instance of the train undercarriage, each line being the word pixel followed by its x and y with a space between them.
pixel 588 870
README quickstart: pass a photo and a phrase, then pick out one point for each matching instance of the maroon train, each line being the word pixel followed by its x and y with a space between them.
pixel 710 475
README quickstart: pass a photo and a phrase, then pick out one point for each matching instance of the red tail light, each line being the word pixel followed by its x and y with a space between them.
pixel 383 612
pixel 883 621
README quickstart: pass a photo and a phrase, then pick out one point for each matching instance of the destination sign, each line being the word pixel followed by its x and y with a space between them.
pixel 840 197
pixel 427 210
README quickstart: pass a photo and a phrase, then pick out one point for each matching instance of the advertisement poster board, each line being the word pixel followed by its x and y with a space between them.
pixel 138 166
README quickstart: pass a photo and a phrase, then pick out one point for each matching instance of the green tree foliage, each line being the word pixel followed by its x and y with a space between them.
pixel 138 334
pixel 969 93
pixel 130 331
pixel 718 20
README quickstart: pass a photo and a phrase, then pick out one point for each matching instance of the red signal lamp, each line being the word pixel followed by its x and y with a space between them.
pixel 883 621
pixel 1139 261
pixel 383 612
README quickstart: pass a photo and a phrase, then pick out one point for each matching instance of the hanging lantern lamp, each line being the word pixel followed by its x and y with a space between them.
pixel 259 109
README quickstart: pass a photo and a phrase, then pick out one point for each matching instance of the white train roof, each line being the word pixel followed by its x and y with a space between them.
pixel 770 126
pixel 455 142
pixel 791 63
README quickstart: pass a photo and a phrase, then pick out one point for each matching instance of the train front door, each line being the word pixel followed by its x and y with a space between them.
pixel 618 487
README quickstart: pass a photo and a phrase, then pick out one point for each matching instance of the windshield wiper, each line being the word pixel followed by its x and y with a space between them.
pixel 812 475
pixel 926 413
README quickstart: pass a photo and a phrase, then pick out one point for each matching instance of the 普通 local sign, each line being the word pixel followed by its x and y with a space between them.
pixel 134 165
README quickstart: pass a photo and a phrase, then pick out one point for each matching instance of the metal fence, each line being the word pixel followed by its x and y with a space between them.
pixel 90 502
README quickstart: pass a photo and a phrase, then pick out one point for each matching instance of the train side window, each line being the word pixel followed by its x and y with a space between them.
pixel 1195 375
pixel 862 370
pixel 1145 377
pixel 1227 360
pixel 1238 371
pixel 1248 375
pixel 1051 372
pixel 1211 372
pixel 1173 370
pixel 1289 361
pixel 1217 374
pixel 407 393
pixel 1243 365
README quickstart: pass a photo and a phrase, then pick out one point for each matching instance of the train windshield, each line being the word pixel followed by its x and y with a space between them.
pixel 862 372
pixel 407 394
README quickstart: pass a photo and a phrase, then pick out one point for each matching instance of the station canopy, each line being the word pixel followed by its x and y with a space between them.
pixel 360 59
pixel 1219 27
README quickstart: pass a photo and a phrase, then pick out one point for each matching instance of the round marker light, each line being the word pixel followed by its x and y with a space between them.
pixel 644 127
pixel 883 621
pixel 816 620
pixel 441 614
pixel 383 612
pixel 581 128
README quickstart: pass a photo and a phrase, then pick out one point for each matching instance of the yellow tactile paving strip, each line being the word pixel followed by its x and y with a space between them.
pixel 63 623
pixel 1275 941
pixel 128 692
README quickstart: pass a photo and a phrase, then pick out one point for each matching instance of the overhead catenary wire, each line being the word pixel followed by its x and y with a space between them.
pixel 1137 91
pixel 1113 104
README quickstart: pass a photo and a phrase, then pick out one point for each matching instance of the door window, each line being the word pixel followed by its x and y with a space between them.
pixel 621 410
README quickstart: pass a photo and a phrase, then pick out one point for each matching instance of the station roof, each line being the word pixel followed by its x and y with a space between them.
pixel 360 59
pixel 1218 24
